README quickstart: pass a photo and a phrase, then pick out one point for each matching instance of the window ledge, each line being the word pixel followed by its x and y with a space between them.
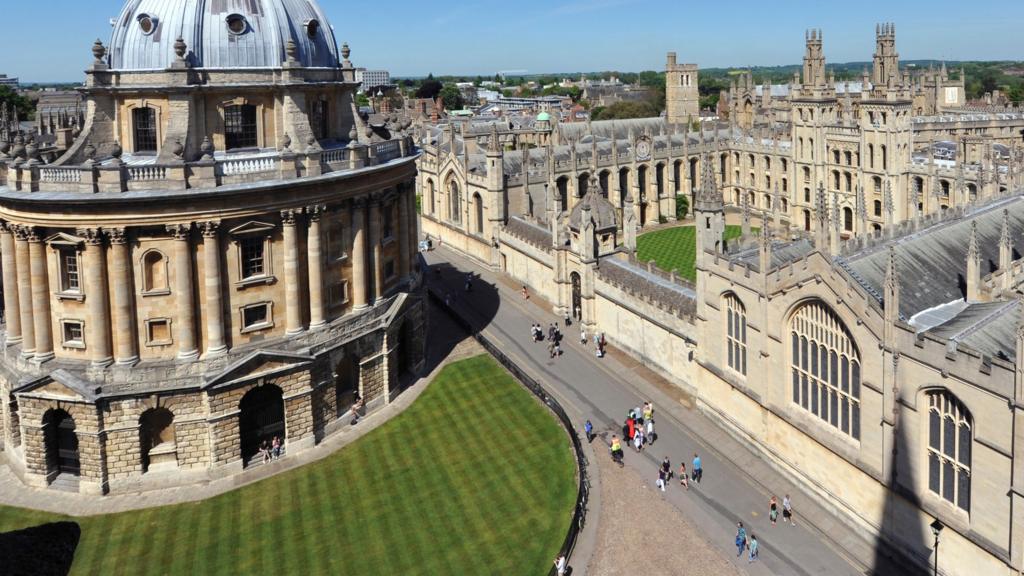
pixel 159 343
pixel 255 281
pixel 77 296
pixel 257 327
pixel 160 292
pixel 76 344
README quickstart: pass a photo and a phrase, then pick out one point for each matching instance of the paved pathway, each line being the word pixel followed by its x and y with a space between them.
pixel 737 483
pixel 452 345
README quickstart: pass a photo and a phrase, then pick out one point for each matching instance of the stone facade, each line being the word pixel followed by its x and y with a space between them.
pixel 182 283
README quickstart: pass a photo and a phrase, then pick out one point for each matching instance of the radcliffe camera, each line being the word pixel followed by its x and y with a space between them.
pixel 312 287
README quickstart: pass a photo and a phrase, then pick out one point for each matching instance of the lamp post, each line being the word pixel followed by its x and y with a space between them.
pixel 936 530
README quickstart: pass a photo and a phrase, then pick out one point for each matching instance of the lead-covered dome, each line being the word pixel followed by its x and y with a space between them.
pixel 221 34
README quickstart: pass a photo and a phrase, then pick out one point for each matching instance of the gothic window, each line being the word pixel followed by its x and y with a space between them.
pixel 807 195
pixel 144 127
pixel 478 214
pixel 847 219
pixel 430 197
pixel 848 157
pixel 877 183
pixel 736 334
pixel 785 185
pixel 848 181
pixel 807 174
pixel 676 184
pixel 885 157
pixel 767 163
pixel 240 126
pixel 945 188
pixel 835 156
pixel 454 202
pixel 871 155
pixel 828 385
pixel 70 278
pixel 878 207
pixel 319 119
pixel 949 449
pixel 835 180
pixel 785 205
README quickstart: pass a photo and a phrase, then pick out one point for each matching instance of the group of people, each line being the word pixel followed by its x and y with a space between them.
pixel 553 336
pixel 270 450
pixel 639 426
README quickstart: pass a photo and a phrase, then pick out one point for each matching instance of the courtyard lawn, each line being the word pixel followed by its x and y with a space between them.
pixel 476 477
pixel 675 248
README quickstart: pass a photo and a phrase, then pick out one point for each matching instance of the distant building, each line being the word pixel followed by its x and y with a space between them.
pixel 5 81
pixel 373 78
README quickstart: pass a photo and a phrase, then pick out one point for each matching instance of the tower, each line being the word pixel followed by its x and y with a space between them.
pixel 708 211
pixel 886 61
pixel 682 100
pixel 813 109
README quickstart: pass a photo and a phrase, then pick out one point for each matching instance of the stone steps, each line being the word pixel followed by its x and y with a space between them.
pixel 65 483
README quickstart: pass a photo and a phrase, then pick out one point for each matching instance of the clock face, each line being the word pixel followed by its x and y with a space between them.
pixel 643 149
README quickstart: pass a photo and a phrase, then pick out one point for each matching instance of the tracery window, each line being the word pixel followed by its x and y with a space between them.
pixel 455 202
pixel 736 334
pixel 949 449
pixel 825 368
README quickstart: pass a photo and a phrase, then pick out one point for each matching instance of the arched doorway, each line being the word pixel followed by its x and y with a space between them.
pixel 156 438
pixel 61 444
pixel 346 384
pixel 261 417
pixel 577 296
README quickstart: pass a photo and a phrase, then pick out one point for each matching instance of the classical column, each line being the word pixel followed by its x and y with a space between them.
pixel 315 265
pixel 183 291
pixel 293 304
pixel 359 300
pixel 21 263
pixel 375 242
pixel 215 344
pixel 40 296
pixel 403 231
pixel 96 298
pixel 127 350
pixel 12 313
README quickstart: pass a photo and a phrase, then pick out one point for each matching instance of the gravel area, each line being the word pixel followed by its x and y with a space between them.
pixel 641 533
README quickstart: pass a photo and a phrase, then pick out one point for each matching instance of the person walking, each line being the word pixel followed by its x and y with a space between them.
pixel 638 440
pixel 631 426
pixel 666 467
pixel 683 481
pixel 649 434
pixel 698 471
pixel 526 293
pixel 787 510
pixel 741 539
pixel 588 429
pixel 560 565
pixel 551 349
pixel 662 479
pixel 753 549
pixel 648 411
pixel 616 450
pixel 583 336
pixel 568 319
pixel 773 510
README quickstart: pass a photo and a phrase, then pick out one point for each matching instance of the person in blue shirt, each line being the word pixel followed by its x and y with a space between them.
pixel 588 428
pixel 698 471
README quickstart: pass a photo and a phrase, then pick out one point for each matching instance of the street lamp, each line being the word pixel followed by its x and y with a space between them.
pixel 936 530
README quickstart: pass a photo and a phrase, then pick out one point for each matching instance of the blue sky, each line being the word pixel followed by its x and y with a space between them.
pixel 50 40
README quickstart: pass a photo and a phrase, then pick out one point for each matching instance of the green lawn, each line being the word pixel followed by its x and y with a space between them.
pixel 476 477
pixel 675 248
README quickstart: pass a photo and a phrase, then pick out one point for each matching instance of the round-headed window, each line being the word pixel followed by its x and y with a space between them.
pixel 147 23
pixel 312 27
pixel 237 24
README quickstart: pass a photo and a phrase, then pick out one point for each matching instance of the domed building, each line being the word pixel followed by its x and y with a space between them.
pixel 225 254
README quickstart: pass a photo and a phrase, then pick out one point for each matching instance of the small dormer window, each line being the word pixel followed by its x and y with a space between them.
pixel 147 23
pixel 312 27
pixel 237 24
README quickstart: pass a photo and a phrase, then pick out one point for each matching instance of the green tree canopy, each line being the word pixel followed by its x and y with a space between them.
pixel 452 97
pixel 429 88
pixel 25 107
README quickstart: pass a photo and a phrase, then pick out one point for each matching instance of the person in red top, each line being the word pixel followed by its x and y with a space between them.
pixel 632 428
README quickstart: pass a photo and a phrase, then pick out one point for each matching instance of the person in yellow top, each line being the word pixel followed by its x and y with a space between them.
pixel 616 450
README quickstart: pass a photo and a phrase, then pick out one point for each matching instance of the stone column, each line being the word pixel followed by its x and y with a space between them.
pixel 40 296
pixel 293 304
pixel 375 242
pixel 403 231
pixel 359 300
pixel 315 265
pixel 12 312
pixel 127 351
pixel 183 291
pixel 96 298
pixel 215 343
pixel 22 266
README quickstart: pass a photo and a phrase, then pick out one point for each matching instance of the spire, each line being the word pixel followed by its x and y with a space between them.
pixel 745 223
pixel 764 248
pixel 891 298
pixel 708 198
pixel 862 209
pixel 890 208
pixel 973 266
pixel 1006 251
pixel 492 143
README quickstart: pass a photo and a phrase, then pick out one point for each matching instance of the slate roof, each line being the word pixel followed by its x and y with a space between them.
pixel 988 327
pixel 528 232
pixel 782 253
pixel 932 262
pixel 648 286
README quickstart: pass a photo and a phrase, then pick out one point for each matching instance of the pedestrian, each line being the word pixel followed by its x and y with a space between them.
pixel 276 445
pixel 682 476
pixel 787 511
pixel 752 554
pixel 469 282
pixel 265 451
pixel 698 471
pixel 650 435
pixel 568 319
pixel 666 465
pixel 551 349
pixel 551 331
pixel 560 565
pixel 662 479
pixel 639 415
pixel 631 426
pixel 558 349
pixel 616 450
pixel 638 440
pixel 448 299
pixel 579 313
pixel 773 510
pixel 588 428
pixel 583 336
pixel 526 293
pixel 741 539
pixel 356 407
pixel 648 411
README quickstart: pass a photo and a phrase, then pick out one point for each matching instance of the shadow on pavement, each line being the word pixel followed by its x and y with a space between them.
pixel 44 550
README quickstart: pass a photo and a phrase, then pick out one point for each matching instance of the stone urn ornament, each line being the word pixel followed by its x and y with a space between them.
pixel 116 151
pixel 286 143
pixel 206 147
pixel 90 152
pixel 177 149
pixel 98 51
pixel 5 147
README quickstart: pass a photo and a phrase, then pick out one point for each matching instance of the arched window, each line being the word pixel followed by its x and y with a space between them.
pixel 807 174
pixel 848 157
pixel 659 180
pixel 454 202
pixel 676 175
pixel 949 449
pixel 807 220
pixel 871 155
pixel 785 205
pixel 825 368
pixel 582 184
pixel 835 180
pixel 835 156
pixel 144 129
pixel 848 219
pixel 154 272
pixel 885 157
pixel 240 126
pixel 848 181
pixel 736 334
pixel 478 214
pixel 431 206
pixel 603 180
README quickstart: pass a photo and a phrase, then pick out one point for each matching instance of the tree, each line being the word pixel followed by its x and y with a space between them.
pixel 25 107
pixel 451 97
pixel 430 88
